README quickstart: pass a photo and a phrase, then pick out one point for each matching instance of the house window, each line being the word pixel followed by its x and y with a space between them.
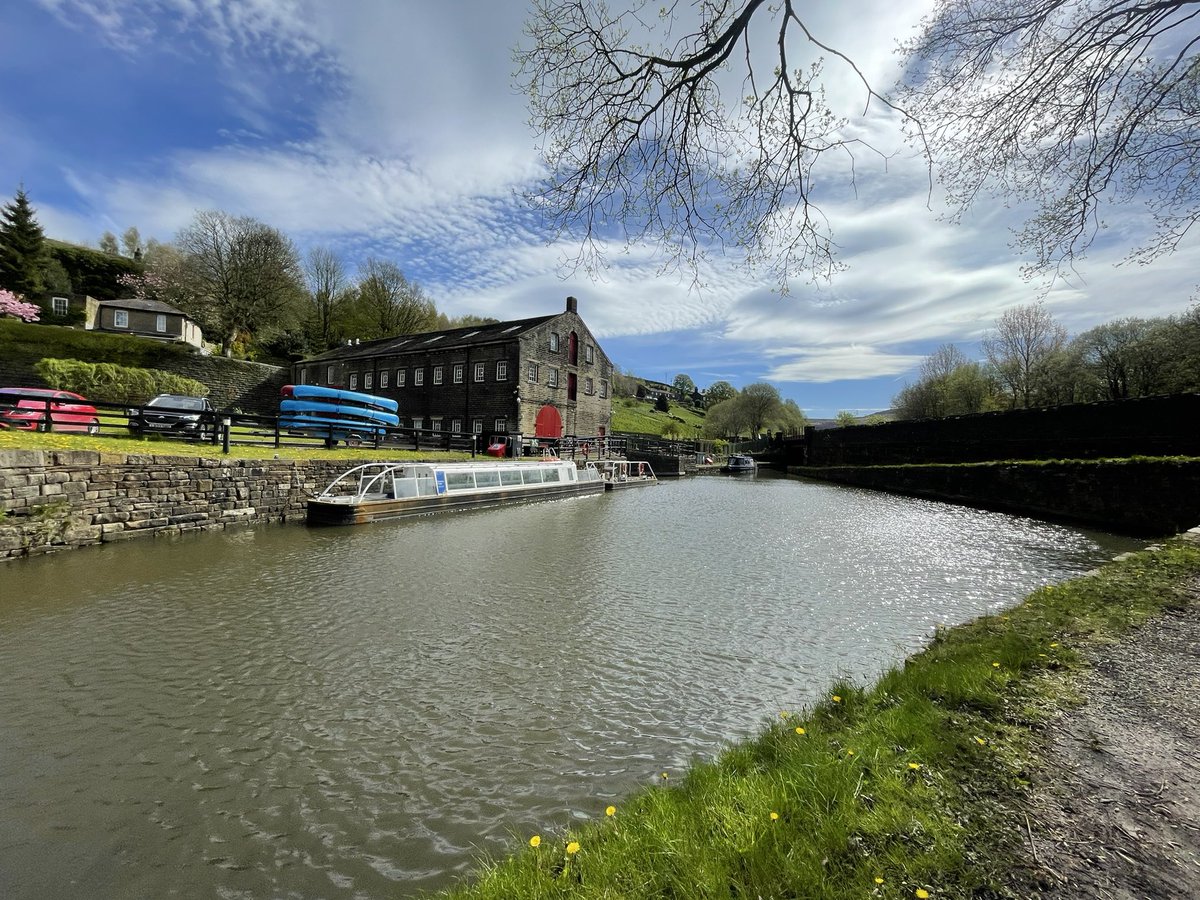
pixel 477 426
pixel 533 372
pixel 353 380
pixel 60 305
pixel 501 371
pixel 437 374
pixel 458 373
pixel 418 422
pixel 401 375
pixel 330 373
pixel 435 423
pixel 383 378
pixel 160 323
pixel 479 370
pixel 587 353
pixel 120 318
pixel 418 376
pixel 552 378
pixel 603 389
pixel 554 342
pixel 502 425
pixel 369 381
pixel 589 386
pixel 456 426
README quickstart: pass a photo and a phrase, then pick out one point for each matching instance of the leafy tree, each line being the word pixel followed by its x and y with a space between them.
pixel 762 404
pixel 726 419
pixel 1122 357
pixel 845 418
pixel 624 384
pixel 131 242
pixel 644 128
pixel 108 244
pixel 389 304
pixel 90 271
pixel 244 276
pixel 662 403
pixel 22 248
pixel 719 391
pixel 1019 348
pixel 1070 104
pixel 684 387
pixel 792 419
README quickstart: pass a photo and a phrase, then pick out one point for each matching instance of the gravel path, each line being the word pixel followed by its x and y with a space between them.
pixel 1116 813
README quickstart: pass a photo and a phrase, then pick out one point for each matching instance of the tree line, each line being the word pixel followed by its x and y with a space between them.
pixel 245 282
pixel 1030 361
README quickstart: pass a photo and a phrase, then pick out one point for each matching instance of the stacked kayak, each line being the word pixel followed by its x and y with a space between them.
pixel 336 414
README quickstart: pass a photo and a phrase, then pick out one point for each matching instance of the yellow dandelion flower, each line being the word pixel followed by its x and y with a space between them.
pixel 837 699
pixel 995 665
pixel 774 816
pixel 914 765
pixel 785 715
pixel 573 848
pixel 610 811
pixel 1054 644
pixel 980 741
pixel 922 894
pixel 665 776
pixel 849 752
pixel 535 841
pixel 878 880
pixel 799 730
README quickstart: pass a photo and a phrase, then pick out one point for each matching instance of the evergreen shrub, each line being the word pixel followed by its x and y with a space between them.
pixel 112 383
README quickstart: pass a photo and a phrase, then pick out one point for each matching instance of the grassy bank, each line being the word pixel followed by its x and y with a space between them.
pixel 913 787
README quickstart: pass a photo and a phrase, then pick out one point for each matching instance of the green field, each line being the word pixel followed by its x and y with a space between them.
pixel 640 417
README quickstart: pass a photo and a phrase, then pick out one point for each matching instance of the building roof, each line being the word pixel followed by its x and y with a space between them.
pixel 470 336
pixel 154 306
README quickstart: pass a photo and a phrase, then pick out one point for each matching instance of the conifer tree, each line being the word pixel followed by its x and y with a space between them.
pixel 22 248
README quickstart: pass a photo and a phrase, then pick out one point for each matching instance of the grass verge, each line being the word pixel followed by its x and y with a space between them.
pixel 912 787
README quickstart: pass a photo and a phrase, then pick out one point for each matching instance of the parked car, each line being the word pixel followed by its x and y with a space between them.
pixel 174 414
pixel 25 408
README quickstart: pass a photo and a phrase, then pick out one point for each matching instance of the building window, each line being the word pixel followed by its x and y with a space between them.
pixel 587 353
pixel 502 425
pixel 437 374
pixel 572 385
pixel 603 389
pixel 401 375
pixel 458 373
pixel 554 342
pixel 160 323
pixel 418 377
pixel 330 374
pixel 353 380
pixel 435 423
pixel 589 386
pixel 120 318
pixel 533 372
pixel 477 426
pixel 479 371
pixel 456 426
pixel 369 381
pixel 418 422
pixel 502 371
pixel 383 378
pixel 60 306
pixel 552 378
pixel 572 349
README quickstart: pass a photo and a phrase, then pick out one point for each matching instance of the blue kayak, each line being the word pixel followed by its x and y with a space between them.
pixel 336 395
pixel 326 427
pixel 338 410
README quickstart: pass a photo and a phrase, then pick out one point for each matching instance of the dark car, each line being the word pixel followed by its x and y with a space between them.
pixel 26 409
pixel 174 414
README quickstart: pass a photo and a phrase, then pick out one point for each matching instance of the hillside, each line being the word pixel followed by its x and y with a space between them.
pixel 640 417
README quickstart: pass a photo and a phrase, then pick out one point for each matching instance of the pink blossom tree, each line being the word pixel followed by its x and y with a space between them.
pixel 12 305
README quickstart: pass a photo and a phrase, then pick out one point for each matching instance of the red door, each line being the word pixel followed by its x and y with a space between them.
pixel 549 423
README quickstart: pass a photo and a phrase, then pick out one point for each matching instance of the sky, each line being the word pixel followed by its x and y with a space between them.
pixel 392 128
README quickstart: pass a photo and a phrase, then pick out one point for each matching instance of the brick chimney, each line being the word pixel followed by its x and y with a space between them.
pixel 572 305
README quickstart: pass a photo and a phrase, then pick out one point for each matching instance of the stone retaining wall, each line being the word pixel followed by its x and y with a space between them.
pixel 1153 497
pixel 54 500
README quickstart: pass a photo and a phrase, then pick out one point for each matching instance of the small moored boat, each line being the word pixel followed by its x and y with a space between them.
pixel 739 463
pixel 377 491
pixel 618 474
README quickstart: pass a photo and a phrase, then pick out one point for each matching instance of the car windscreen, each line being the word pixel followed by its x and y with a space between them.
pixel 188 403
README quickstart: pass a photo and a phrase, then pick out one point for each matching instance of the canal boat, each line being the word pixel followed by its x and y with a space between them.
pixel 379 491
pixel 618 474
pixel 740 464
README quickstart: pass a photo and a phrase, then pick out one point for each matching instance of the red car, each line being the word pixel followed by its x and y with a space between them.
pixel 25 408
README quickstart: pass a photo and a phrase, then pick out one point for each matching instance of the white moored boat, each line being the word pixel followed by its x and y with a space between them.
pixel 739 463
pixel 618 474
pixel 378 491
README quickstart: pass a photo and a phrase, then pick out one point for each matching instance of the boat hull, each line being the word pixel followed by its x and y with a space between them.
pixel 335 511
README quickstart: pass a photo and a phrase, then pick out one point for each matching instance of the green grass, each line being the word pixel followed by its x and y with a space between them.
pixel 911 785
pixel 640 417
pixel 25 440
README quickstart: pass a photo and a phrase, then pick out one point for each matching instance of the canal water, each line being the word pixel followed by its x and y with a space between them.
pixel 292 712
